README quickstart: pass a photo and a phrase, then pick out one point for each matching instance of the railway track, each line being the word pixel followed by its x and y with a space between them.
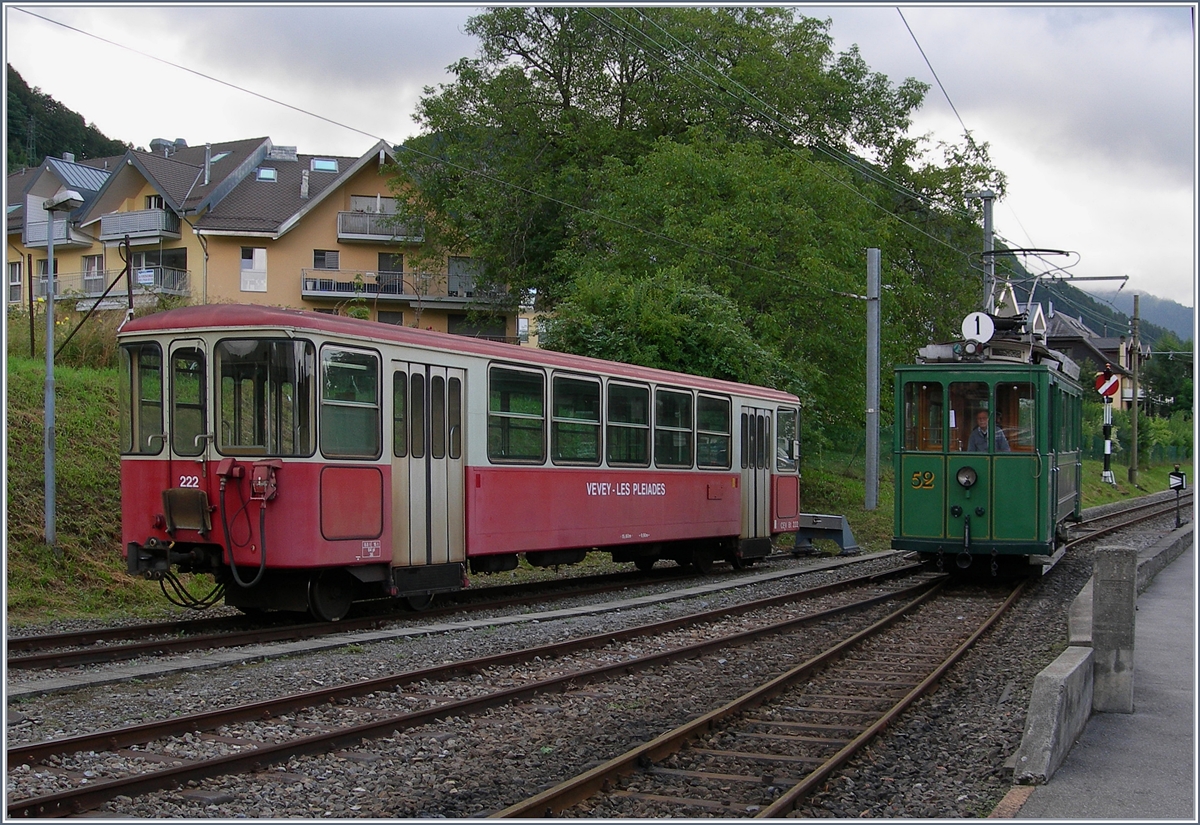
pixel 1089 529
pixel 248 736
pixel 762 753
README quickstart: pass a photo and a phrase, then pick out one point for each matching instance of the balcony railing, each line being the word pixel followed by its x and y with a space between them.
pixel 374 226
pixel 150 279
pixel 35 234
pixel 144 223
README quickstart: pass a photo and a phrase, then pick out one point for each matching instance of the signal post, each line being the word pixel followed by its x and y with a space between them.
pixel 1107 385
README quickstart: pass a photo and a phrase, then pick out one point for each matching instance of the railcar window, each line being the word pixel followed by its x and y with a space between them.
pixel 575 426
pixel 349 403
pixel 417 400
pixel 399 414
pixel 140 399
pixel 628 425
pixel 968 399
pixel 672 428
pixel 785 437
pixel 188 417
pixel 516 415
pixel 266 396
pixel 454 409
pixel 437 416
pixel 713 419
pixel 923 405
pixel 747 434
pixel 764 441
pixel 1016 415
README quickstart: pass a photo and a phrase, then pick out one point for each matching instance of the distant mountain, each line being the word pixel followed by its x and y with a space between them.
pixel 39 126
pixel 1161 311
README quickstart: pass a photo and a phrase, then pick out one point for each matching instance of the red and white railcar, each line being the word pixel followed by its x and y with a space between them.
pixel 308 460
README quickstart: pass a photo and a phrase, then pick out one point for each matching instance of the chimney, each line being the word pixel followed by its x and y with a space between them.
pixel 207 162
pixel 304 184
pixel 1051 309
pixel 69 157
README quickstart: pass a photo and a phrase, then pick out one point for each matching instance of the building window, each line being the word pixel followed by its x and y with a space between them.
pixel 390 317
pixel 325 259
pixel 154 202
pixel 324 165
pixel 374 204
pixel 93 274
pixel 266 173
pixel 461 274
pixel 41 277
pixel 14 282
pixel 254 269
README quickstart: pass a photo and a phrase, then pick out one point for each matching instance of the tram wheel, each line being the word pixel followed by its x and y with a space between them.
pixel 644 563
pixel 741 564
pixel 418 601
pixel 330 595
pixel 702 561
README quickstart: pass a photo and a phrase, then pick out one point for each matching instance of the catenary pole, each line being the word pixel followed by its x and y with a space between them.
pixel 872 469
pixel 1133 410
pixel 48 430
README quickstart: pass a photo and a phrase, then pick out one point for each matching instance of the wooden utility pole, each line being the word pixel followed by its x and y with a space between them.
pixel 1133 411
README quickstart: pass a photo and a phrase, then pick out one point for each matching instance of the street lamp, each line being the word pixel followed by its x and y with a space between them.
pixel 65 200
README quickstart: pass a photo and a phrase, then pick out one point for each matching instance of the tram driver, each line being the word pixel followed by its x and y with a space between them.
pixel 978 442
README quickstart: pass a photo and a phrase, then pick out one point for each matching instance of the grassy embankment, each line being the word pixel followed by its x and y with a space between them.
pixel 89 578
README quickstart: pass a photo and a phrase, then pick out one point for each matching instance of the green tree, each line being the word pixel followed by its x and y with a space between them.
pixel 57 129
pixel 1169 377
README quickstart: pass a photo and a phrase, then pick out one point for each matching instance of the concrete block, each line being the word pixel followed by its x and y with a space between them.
pixel 1114 602
pixel 1079 618
pixel 1058 712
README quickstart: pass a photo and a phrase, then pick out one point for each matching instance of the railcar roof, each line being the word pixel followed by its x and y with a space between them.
pixel 233 316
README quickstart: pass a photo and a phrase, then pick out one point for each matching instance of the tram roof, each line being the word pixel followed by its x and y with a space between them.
pixel 234 316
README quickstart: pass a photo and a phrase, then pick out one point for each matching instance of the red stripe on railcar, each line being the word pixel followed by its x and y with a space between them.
pixel 512 510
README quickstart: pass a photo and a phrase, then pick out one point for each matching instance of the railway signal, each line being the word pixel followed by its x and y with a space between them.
pixel 1177 481
pixel 1106 385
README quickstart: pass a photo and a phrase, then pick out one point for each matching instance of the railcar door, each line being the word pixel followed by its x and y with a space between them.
pixel 427 465
pixel 188 438
pixel 756 449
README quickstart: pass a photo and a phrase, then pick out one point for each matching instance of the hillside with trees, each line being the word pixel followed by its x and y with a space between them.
pixel 39 126
pixel 638 173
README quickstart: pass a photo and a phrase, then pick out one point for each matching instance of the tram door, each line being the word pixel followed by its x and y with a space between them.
pixel 756 444
pixel 427 465
pixel 187 437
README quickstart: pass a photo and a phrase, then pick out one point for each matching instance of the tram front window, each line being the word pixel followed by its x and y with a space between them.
pixel 967 400
pixel 266 397
pixel 923 416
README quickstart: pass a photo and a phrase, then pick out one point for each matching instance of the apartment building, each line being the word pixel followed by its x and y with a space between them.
pixel 242 222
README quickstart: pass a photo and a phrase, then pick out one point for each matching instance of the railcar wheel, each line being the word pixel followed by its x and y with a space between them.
pixel 738 563
pixel 702 561
pixel 418 602
pixel 330 595
pixel 644 563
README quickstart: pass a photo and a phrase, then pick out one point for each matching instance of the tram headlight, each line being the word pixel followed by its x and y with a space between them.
pixel 966 476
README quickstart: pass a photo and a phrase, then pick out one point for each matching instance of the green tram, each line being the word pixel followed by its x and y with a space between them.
pixel 987 453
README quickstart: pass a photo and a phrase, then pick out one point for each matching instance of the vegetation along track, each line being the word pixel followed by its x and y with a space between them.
pixel 86 771
pixel 766 750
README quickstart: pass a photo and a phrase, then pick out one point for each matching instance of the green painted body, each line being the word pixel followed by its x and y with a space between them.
pixel 1019 499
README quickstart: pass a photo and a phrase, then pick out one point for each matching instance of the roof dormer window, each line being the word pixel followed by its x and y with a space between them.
pixel 220 155
pixel 267 173
pixel 324 165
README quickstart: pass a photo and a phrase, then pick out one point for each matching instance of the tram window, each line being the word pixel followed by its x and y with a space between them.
pixel 349 403
pixel 265 398
pixel 712 432
pixel 967 400
pixel 437 416
pixel 786 451
pixel 764 441
pixel 628 425
pixel 417 419
pixel 140 399
pixel 923 405
pixel 454 419
pixel 575 426
pixel 187 401
pixel 1016 415
pixel 399 414
pixel 746 434
pixel 672 428
pixel 516 415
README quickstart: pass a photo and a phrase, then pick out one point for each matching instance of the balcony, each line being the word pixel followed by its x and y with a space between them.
pixel 64 235
pixel 376 227
pixel 146 281
pixel 151 224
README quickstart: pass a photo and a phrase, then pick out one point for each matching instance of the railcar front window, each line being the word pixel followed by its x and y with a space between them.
pixel 266 393
pixel 787 451
pixel 672 428
pixel 628 430
pixel 516 416
pixel 140 399
pixel 575 427
pixel 188 419
pixel 713 420
pixel 970 417
pixel 1016 415
pixel 923 406
pixel 349 403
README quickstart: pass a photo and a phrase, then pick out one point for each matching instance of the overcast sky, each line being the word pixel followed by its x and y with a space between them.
pixel 1089 111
